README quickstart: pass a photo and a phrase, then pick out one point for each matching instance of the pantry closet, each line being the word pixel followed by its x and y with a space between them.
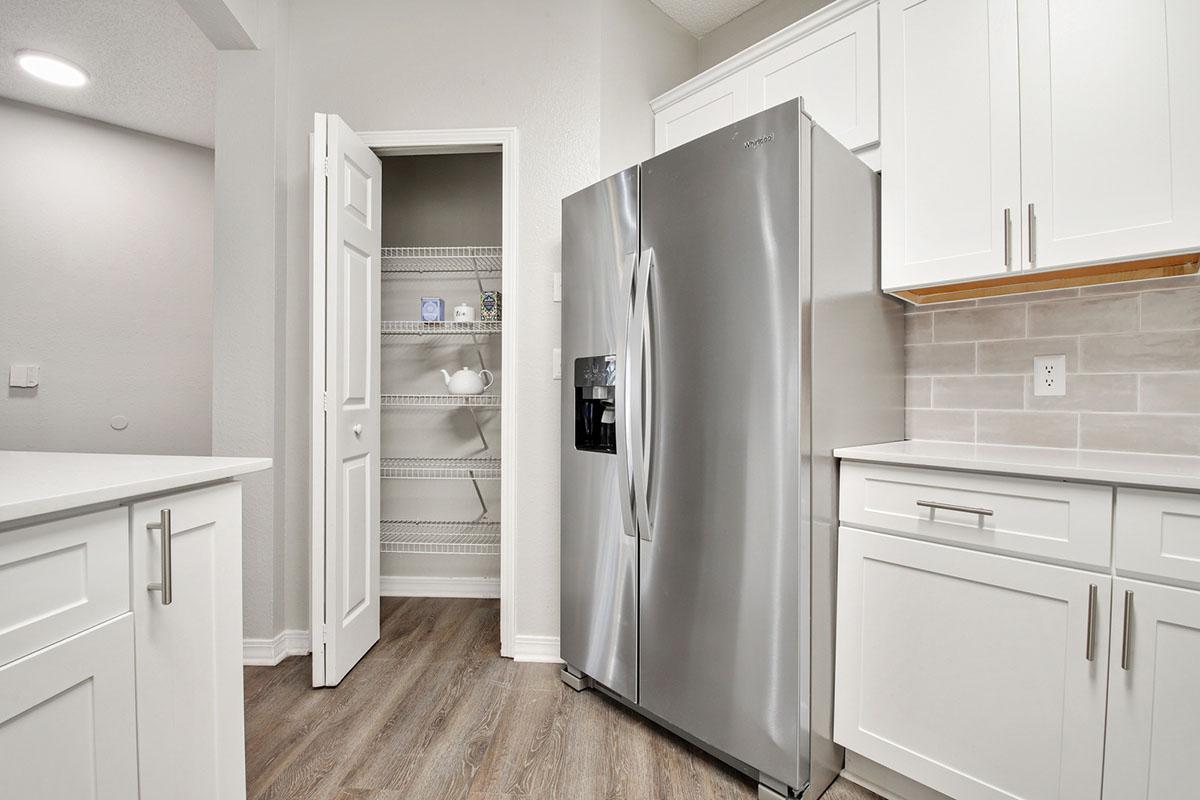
pixel 409 277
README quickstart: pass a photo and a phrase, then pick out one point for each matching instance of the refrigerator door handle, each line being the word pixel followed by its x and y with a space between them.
pixel 643 369
pixel 624 453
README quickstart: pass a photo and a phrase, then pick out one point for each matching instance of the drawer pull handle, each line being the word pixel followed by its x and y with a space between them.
pixel 164 526
pixel 933 504
pixel 1090 653
pixel 1127 634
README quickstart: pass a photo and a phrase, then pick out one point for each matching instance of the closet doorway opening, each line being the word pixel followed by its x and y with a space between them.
pixel 414 425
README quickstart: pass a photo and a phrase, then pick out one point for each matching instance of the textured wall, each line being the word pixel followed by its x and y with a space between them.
pixel 106 269
pixel 533 64
pixel 248 301
pixel 746 29
pixel 1133 369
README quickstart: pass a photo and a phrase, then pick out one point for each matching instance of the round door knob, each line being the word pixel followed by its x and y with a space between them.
pixel 357 429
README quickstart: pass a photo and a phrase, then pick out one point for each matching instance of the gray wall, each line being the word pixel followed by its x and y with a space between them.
pixel 759 22
pixel 250 293
pixel 106 267
pixel 548 68
pixel 430 201
pixel 1133 369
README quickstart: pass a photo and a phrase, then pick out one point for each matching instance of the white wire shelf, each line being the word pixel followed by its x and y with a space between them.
pixel 478 469
pixel 441 400
pixel 442 259
pixel 413 536
pixel 421 328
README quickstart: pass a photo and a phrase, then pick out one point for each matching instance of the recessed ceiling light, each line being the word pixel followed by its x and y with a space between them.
pixel 51 68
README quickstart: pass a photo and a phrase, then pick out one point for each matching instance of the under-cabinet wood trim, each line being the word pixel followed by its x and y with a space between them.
pixel 1040 281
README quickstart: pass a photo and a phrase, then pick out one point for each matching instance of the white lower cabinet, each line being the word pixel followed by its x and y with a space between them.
pixel 981 676
pixel 189 653
pixel 107 691
pixel 67 723
pixel 984 675
pixel 1153 748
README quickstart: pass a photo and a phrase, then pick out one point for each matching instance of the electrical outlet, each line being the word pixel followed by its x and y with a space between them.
pixel 556 370
pixel 1049 376
pixel 558 287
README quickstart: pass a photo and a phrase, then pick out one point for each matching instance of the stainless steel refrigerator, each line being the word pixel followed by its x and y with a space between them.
pixel 723 331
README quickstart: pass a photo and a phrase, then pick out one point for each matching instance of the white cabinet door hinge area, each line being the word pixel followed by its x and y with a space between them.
pixel 1110 108
pixel 978 675
pixel 949 140
pixel 1154 693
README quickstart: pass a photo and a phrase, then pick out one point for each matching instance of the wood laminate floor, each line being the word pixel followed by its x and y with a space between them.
pixel 434 713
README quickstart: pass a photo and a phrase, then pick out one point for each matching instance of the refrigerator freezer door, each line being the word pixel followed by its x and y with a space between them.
pixel 599 542
pixel 720 578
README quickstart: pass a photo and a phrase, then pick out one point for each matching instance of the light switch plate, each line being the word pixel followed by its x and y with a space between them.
pixel 556 370
pixel 23 376
pixel 1049 376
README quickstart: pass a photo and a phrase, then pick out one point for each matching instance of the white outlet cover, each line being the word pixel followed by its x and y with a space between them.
pixel 1050 376
pixel 558 287
pixel 556 370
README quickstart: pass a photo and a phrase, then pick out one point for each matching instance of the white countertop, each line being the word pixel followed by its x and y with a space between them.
pixel 1099 466
pixel 43 483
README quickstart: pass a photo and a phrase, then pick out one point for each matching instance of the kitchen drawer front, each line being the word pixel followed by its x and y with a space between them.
pixel 60 578
pixel 1158 535
pixel 1044 520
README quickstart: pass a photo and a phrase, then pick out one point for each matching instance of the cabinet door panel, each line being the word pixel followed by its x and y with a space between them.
pixel 62 577
pixel 836 70
pixel 67 722
pixel 189 653
pixel 968 672
pixel 1110 104
pixel 715 106
pixel 1154 703
pixel 949 139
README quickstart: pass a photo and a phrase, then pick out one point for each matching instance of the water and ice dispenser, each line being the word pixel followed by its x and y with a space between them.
pixel 595 404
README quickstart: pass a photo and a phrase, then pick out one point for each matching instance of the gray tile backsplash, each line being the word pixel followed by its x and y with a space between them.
pixel 1133 368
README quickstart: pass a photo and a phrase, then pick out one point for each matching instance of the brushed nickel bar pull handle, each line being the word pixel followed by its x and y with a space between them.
pixel 933 504
pixel 1032 236
pixel 164 526
pixel 1008 238
pixel 1127 634
pixel 622 398
pixel 1090 653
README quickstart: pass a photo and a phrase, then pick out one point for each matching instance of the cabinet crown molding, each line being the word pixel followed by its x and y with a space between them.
pixel 781 38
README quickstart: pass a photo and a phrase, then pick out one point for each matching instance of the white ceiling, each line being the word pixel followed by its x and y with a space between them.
pixel 151 68
pixel 703 16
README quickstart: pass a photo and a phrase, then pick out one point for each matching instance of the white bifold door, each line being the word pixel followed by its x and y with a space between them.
pixel 346 241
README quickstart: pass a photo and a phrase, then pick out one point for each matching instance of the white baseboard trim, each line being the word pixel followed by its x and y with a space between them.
pixel 419 586
pixel 269 652
pixel 541 649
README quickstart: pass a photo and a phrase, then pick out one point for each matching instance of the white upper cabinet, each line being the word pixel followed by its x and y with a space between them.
pixel 711 107
pixel 1110 109
pixel 949 139
pixel 1153 693
pixel 1073 120
pixel 830 59
pixel 835 70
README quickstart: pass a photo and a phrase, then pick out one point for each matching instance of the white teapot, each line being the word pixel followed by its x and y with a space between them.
pixel 467 381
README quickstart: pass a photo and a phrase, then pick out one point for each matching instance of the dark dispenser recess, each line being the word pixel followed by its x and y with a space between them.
pixel 595 404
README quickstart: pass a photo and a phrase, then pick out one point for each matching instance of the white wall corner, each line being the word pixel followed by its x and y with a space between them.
pixel 539 649
pixel 228 24
pixel 269 652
